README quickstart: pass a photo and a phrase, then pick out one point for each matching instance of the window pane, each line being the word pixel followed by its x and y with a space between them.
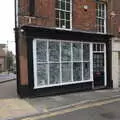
pixel 102 14
pixel 101 62
pixel 62 22
pixel 77 71
pixel 68 24
pixel 77 52
pixel 103 29
pixel 57 14
pixel 54 73
pixel 98 47
pixel 97 21
pixel 66 72
pixel 57 22
pixel 97 13
pixel 67 15
pixel 86 52
pixel 103 7
pixel 86 69
pixel 100 7
pixel 41 51
pixel 42 78
pixel 68 6
pixel 94 47
pixel 66 51
pixel 62 14
pixel 102 22
pixel 63 5
pixel 102 47
pixel 68 1
pixel 57 4
pixel 54 51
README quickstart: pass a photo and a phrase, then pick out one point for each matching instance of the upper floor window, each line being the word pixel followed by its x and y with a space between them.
pixel 31 7
pixel 64 14
pixel 101 17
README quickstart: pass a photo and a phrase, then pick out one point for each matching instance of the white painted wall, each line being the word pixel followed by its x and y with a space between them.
pixel 115 62
pixel 115 70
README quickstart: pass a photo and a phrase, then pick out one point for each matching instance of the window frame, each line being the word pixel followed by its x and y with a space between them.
pixel 64 28
pixel 31 8
pixel 101 18
pixel 61 83
pixel 102 50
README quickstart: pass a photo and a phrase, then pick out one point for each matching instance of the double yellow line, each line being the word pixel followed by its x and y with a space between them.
pixel 73 108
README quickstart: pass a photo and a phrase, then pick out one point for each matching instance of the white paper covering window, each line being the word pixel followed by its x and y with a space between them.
pixel 60 62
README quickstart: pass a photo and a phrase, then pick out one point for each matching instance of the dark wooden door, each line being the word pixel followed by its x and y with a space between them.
pixel 98 69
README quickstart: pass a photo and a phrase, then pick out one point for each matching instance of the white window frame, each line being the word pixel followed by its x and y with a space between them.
pixel 105 57
pixel 101 18
pixel 64 28
pixel 73 82
pixel 67 83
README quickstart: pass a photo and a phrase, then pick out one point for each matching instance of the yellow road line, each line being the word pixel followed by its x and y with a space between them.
pixel 74 108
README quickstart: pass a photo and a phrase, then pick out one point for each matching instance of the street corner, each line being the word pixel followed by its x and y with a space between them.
pixel 15 108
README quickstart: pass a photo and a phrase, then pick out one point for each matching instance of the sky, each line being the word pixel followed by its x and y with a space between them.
pixel 7 24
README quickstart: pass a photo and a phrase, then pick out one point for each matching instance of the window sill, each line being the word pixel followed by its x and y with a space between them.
pixel 62 84
pixel 64 29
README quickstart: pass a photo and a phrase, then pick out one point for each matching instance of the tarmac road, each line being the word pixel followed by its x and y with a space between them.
pixel 105 112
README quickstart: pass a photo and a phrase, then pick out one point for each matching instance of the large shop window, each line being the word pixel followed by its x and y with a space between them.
pixel 60 62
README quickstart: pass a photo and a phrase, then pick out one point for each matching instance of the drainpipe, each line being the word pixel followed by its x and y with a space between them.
pixel 16 30
pixel 16 13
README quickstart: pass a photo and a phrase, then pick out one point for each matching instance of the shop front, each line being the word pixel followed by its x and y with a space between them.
pixel 65 61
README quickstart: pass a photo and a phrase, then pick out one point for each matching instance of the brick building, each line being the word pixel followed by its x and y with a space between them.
pixel 62 46
pixel 2 58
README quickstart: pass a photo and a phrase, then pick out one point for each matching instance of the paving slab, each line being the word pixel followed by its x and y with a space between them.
pixel 15 108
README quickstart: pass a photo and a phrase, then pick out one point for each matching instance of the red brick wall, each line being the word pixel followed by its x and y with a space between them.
pixel 23 7
pixel 45 14
pixel 84 19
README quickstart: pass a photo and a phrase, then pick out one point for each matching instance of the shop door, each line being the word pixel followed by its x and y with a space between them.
pixel 98 69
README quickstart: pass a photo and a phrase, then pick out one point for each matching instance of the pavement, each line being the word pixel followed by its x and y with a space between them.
pixel 100 110
pixel 5 77
pixel 12 107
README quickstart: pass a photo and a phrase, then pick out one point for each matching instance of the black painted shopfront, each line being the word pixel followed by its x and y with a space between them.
pixel 62 61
